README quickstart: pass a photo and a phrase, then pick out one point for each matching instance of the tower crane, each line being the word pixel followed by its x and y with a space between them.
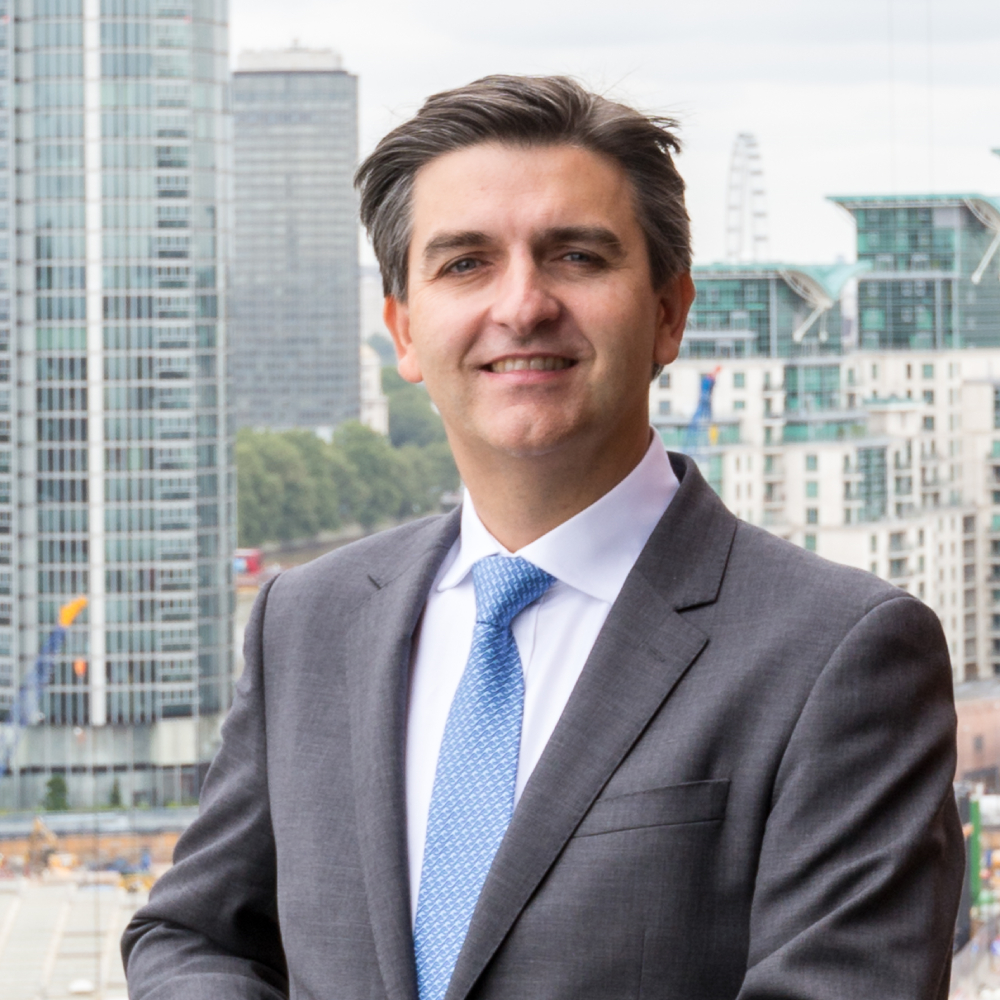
pixel 26 709
pixel 701 432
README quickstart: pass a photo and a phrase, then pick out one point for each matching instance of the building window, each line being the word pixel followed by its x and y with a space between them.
pixel 873 545
pixel 847 515
pixel 929 397
pixel 810 543
pixel 812 489
pixel 909 368
pixel 664 407
pixel 739 404
pixel 874 567
pixel 812 515
pixel 928 423
pixel 977 744
pixel 928 371
pixel 664 380
pixel 812 463
pixel 739 380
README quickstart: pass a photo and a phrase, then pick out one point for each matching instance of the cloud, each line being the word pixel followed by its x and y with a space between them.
pixel 841 97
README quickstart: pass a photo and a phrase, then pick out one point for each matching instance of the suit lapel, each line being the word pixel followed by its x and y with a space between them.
pixel 378 650
pixel 643 650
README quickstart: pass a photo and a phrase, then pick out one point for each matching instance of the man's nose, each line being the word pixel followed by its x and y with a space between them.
pixel 523 299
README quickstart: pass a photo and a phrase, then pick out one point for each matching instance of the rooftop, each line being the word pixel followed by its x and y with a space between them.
pixel 293 60
pixel 828 279
pixel 850 201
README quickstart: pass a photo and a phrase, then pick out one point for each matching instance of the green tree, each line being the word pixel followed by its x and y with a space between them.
pixel 293 484
pixel 412 418
pixel 378 472
pixel 115 798
pixel 323 464
pixel 56 794
pixel 277 496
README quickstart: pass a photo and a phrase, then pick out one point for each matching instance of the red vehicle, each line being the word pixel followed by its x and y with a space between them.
pixel 248 562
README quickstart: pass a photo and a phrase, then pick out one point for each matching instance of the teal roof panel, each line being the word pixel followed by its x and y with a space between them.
pixel 831 278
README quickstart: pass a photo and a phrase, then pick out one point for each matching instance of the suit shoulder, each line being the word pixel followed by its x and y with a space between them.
pixel 790 579
pixel 353 569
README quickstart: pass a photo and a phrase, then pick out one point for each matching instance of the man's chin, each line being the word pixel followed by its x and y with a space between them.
pixel 533 441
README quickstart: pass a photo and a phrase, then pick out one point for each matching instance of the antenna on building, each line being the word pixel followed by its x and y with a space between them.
pixel 746 203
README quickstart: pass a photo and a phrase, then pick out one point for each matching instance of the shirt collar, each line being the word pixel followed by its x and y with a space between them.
pixel 594 551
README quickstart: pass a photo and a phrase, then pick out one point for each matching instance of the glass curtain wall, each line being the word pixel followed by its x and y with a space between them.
pixel 126 485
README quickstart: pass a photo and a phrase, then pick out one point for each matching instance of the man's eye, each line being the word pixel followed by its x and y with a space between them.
pixel 463 266
pixel 578 257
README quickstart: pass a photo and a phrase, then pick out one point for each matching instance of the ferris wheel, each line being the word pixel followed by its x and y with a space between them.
pixel 746 203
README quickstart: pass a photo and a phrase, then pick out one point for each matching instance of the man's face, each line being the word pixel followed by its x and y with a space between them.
pixel 530 312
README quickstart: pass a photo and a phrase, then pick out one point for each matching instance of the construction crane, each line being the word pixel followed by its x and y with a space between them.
pixel 701 432
pixel 746 203
pixel 27 707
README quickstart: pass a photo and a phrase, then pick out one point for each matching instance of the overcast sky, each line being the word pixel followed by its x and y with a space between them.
pixel 873 96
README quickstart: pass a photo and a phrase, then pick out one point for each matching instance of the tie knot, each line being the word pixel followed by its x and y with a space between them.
pixel 505 587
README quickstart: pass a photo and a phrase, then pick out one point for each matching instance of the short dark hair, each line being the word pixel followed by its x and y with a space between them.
pixel 527 111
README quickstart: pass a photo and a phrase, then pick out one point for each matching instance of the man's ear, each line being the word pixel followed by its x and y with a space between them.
pixel 675 302
pixel 397 320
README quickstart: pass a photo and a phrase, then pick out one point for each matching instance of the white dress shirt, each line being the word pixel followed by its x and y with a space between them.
pixel 590 556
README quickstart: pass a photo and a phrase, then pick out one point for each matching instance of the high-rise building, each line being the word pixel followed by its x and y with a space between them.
pixel 771 310
pixel 116 476
pixel 934 270
pixel 294 299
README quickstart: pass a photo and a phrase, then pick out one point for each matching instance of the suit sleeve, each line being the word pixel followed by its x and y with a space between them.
pixel 210 929
pixel 862 859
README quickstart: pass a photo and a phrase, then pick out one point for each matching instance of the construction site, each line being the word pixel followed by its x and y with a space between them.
pixel 69 884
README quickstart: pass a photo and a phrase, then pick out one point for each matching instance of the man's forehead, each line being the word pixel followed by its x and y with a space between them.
pixel 478 188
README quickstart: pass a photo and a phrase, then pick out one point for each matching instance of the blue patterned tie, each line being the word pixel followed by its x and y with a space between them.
pixel 473 795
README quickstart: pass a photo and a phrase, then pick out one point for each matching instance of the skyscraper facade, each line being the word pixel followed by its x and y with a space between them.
pixel 115 451
pixel 294 301
pixel 934 270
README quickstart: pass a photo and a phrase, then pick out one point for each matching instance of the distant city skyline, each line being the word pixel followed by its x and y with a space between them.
pixel 813 82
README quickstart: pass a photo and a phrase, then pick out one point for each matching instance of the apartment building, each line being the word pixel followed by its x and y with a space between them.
pixel 888 461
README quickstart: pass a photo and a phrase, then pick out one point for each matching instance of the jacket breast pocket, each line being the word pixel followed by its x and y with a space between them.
pixel 692 802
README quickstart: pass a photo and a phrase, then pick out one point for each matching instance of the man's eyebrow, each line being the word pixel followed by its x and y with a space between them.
pixel 446 242
pixel 599 235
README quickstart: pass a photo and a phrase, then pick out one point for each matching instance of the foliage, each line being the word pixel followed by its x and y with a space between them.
pixel 412 418
pixel 293 484
pixel 56 794
pixel 115 798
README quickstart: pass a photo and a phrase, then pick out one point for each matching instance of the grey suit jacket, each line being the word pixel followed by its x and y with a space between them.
pixel 748 794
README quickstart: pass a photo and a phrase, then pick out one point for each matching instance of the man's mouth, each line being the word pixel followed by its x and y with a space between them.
pixel 535 364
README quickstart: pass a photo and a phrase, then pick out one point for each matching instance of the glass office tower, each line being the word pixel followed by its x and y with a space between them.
pixel 116 456
pixel 294 304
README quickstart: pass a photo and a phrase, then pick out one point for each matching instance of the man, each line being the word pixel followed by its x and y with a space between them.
pixel 590 736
